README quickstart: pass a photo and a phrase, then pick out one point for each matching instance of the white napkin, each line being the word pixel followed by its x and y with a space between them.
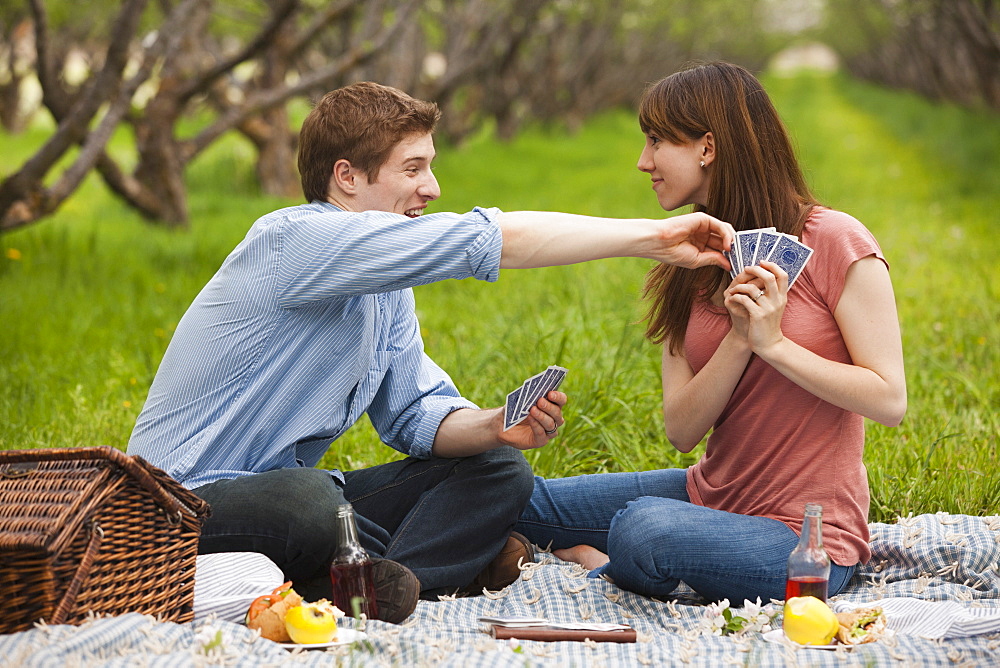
pixel 931 619
pixel 529 622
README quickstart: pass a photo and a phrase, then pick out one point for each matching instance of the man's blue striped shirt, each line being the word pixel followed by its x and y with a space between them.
pixel 308 324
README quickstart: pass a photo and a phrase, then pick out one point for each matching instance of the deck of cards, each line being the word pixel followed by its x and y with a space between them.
pixel 520 401
pixel 753 246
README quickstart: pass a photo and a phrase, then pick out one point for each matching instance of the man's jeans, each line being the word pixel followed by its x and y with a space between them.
pixel 445 519
pixel 656 537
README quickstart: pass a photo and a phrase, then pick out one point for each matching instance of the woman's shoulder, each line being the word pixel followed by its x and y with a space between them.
pixel 838 240
pixel 822 216
pixel 826 225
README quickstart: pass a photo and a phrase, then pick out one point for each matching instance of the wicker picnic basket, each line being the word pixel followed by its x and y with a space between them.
pixel 93 530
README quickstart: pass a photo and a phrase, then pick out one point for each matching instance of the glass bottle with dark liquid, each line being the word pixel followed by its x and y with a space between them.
pixel 809 564
pixel 351 569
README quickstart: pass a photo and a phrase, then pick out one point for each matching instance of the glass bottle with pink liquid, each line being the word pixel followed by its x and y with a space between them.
pixel 351 569
pixel 809 564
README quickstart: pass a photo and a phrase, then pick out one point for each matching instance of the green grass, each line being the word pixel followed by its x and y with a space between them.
pixel 90 302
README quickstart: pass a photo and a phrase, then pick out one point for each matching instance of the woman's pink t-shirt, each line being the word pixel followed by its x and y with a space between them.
pixel 776 447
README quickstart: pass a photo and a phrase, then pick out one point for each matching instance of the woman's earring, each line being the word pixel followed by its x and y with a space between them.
pixel 702 163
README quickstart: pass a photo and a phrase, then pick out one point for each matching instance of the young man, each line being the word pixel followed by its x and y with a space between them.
pixel 310 323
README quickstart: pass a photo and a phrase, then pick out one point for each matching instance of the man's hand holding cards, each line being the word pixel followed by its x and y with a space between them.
pixel 520 401
pixel 754 246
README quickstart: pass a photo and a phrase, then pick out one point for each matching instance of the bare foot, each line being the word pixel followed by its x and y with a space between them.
pixel 585 555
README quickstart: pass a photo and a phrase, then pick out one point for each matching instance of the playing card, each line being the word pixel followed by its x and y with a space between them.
pixel 540 385
pixel 553 378
pixel 520 401
pixel 510 408
pixel 791 255
pixel 734 256
pixel 529 394
pixel 746 243
pixel 758 255
pixel 731 256
pixel 768 238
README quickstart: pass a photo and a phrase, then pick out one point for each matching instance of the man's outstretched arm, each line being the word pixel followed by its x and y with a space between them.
pixel 545 238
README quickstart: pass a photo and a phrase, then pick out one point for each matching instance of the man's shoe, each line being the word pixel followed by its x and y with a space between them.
pixel 503 570
pixel 396 590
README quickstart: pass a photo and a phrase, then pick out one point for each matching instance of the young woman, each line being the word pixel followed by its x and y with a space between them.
pixel 782 378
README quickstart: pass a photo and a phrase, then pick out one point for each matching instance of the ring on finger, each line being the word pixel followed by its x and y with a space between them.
pixel 551 432
pixel 759 295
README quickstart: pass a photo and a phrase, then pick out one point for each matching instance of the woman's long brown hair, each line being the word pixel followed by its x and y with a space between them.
pixel 756 180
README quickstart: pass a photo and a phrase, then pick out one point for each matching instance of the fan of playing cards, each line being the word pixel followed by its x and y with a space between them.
pixel 753 246
pixel 520 401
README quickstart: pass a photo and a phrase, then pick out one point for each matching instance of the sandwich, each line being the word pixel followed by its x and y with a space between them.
pixel 862 625
pixel 267 612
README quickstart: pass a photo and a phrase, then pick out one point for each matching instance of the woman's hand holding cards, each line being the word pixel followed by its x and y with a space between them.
pixel 756 302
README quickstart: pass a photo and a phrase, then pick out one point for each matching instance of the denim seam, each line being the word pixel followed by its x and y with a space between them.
pixel 228 534
pixel 404 527
pixel 561 527
pixel 396 483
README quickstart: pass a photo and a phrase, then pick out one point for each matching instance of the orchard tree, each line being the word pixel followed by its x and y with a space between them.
pixel 201 73
pixel 180 74
pixel 942 49
pixel 24 195
pixel 185 68
pixel 311 51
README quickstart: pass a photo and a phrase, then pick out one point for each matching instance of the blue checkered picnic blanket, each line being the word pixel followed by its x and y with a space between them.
pixel 938 557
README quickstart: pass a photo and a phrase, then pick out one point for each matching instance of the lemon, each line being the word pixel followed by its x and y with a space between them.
pixel 312 623
pixel 809 621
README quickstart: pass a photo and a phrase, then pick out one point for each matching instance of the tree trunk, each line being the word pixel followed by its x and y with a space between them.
pixel 11 118
pixel 277 171
pixel 161 165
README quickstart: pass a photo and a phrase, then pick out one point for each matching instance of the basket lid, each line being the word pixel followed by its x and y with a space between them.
pixel 45 494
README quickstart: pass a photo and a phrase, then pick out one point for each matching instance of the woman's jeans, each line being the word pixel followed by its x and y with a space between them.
pixel 445 519
pixel 655 537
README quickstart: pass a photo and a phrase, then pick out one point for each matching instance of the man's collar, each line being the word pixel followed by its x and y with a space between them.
pixel 327 205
